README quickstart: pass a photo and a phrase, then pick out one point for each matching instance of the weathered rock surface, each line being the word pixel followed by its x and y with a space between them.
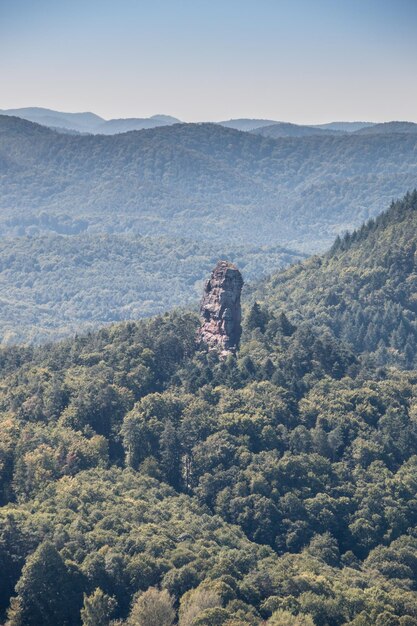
pixel 221 310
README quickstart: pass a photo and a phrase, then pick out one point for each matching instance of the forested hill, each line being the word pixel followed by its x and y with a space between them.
pixel 364 289
pixel 141 476
pixel 200 181
pixel 89 223
pixel 52 286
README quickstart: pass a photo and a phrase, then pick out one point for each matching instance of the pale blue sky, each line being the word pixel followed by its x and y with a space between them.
pixel 305 61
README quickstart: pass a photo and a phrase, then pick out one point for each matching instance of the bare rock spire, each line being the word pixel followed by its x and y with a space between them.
pixel 220 309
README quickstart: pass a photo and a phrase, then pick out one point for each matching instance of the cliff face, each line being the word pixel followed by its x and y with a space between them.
pixel 221 310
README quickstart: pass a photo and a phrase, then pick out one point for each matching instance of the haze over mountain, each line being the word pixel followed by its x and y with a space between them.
pixel 348 127
pixel 201 190
pixel 389 127
pixel 200 181
pixel 92 123
pixel 87 122
pixel 112 127
pixel 284 129
pixel 245 124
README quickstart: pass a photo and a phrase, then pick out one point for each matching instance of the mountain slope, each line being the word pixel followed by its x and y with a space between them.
pixel 364 289
pixel 202 181
pixel 284 129
pixel 197 192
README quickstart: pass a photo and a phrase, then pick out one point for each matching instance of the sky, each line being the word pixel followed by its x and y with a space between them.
pixel 302 61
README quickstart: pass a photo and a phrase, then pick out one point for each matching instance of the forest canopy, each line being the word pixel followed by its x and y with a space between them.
pixel 200 181
pixel 145 479
pixel 97 229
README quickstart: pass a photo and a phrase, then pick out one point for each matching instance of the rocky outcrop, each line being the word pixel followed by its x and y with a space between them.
pixel 221 310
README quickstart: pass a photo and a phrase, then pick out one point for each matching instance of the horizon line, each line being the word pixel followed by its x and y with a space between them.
pixel 214 121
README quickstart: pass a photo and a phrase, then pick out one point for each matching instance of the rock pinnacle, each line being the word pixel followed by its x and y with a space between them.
pixel 220 309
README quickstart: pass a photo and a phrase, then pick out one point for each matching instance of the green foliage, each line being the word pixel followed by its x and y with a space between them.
pixel 165 483
pixel 257 318
pixel 149 213
pixel 284 618
pixel 97 609
pixel 152 608
pixel 47 591
pixel 363 290
pixel 199 180
pixel 211 617
pixel 58 285
pixel 196 603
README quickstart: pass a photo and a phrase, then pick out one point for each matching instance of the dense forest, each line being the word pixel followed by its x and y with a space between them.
pixel 364 289
pixel 54 285
pixel 147 482
pixel 97 229
pixel 201 181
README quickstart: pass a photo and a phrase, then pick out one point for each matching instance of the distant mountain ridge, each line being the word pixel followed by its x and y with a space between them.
pixel 285 129
pixel 247 124
pixel 349 127
pixel 388 127
pixel 92 209
pixel 83 122
pixel 88 122
pixel 123 125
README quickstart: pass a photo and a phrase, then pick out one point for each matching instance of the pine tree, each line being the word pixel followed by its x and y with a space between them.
pixel 48 593
pixel 98 608
pixel 257 318
pixel 170 454
pixel 285 325
pixel 410 351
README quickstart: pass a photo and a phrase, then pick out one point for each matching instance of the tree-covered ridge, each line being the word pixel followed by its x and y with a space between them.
pixel 201 181
pixel 364 289
pixel 53 286
pixel 80 213
pixel 146 482
pixel 286 443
